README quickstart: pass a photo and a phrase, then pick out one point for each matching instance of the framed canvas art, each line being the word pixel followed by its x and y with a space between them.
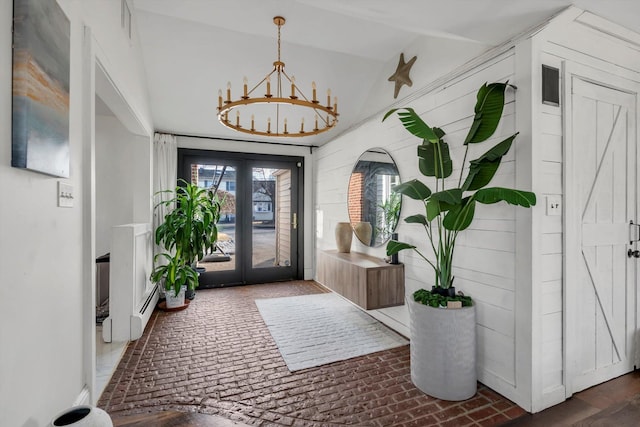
pixel 41 56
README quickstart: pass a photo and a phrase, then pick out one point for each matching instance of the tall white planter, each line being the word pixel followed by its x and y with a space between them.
pixel 443 351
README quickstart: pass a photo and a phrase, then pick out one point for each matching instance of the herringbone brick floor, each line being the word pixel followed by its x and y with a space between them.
pixel 217 357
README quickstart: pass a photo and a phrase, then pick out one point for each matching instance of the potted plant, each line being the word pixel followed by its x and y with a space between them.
pixel 187 233
pixel 443 340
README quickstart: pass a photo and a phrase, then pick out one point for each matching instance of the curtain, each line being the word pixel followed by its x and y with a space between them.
pixel 165 160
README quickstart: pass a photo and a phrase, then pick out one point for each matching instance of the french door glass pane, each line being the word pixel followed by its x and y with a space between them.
pixel 221 179
pixel 271 217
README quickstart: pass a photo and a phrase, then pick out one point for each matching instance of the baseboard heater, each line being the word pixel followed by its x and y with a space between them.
pixel 132 296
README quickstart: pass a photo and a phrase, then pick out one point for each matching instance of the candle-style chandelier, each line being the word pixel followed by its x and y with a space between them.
pixel 286 116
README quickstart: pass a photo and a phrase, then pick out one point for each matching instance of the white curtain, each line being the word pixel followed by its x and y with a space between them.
pixel 165 160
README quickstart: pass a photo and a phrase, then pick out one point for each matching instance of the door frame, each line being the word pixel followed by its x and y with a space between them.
pixel 190 154
pixel 572 229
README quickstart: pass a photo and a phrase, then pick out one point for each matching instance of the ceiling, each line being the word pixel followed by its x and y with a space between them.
pixel 192 48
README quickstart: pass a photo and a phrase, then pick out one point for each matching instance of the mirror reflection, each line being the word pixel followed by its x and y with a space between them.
pixel 373 208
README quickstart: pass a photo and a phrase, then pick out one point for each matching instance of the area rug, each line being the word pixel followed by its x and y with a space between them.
pixel 313 330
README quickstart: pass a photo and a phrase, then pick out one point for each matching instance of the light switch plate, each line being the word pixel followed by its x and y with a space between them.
pixel 65 195
pixel 554 205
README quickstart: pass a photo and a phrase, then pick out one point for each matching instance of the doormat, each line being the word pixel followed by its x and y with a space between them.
pixel 314 330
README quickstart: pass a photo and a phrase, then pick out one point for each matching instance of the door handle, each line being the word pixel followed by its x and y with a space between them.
pixel 295 221
pixel 632 253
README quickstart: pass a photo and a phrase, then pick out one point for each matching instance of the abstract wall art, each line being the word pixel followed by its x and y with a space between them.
pixel 41 57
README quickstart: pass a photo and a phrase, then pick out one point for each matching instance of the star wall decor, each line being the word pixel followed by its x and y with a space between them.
pixel 401 76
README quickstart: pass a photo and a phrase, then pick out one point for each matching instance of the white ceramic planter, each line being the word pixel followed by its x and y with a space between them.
pixel 173 300
pixel 82 416
pixel 443 351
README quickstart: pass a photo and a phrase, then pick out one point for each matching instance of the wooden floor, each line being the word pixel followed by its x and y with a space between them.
pixel 614 403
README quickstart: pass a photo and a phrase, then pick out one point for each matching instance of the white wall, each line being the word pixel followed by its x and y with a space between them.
pixel 114 169
pixel 42 302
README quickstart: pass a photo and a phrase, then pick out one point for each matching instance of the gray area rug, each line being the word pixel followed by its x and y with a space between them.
pixel 313 330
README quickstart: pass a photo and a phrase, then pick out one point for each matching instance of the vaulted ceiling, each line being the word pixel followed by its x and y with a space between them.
pixel 192 48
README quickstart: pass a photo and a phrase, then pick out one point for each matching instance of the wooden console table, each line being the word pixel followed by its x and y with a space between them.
pixel 363 279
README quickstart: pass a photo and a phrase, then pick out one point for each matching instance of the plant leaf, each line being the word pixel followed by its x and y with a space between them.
pixel 434 159
pixel 451 197
pixel 414 189
pixel 460 216
pixel 488 111
pixel 393 247
pixel 483 169
pixel 500 194
pixel 433 209
pixel 414 124
pixel 416 219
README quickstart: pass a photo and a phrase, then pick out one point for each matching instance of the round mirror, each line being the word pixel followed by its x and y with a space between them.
pixel 373 208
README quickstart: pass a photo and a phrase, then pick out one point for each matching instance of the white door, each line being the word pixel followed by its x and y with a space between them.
pixel 601 286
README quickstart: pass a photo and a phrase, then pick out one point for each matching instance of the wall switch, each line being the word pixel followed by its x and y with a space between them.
pixel 554 205
pixel 65 195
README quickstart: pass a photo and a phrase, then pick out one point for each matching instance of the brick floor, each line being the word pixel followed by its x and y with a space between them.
pixel 217 357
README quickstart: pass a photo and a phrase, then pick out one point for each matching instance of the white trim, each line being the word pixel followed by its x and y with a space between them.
pixel 89 214
pixel 612 29
pixel 84 398
pixel 572 227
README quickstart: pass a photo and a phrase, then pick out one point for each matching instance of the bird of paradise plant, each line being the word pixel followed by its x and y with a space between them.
pixel 450 209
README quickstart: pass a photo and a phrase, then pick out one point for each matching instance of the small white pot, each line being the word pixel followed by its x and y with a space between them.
pixel 82 416
pixel 173 300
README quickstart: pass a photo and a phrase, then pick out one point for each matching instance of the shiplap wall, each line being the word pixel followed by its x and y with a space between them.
pixel 581 38
pixel 485 253
pixel 525 360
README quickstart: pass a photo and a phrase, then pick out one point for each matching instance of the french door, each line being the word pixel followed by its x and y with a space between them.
pixel 260 237
pixel 602 209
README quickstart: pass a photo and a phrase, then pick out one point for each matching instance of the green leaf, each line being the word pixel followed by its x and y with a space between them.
pixel 498 194
pixel 451 197
pixel 488 111
pixel 483 169
pixel 460 216
pixel 393 247
pixel 413 189
pixel 433 209
pixel 414 124
pixel 416 219
pixel 434 159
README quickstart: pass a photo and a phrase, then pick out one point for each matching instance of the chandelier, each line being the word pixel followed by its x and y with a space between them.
pixel 286 116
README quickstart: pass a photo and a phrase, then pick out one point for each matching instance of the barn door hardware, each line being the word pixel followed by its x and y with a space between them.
pixel 634 232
